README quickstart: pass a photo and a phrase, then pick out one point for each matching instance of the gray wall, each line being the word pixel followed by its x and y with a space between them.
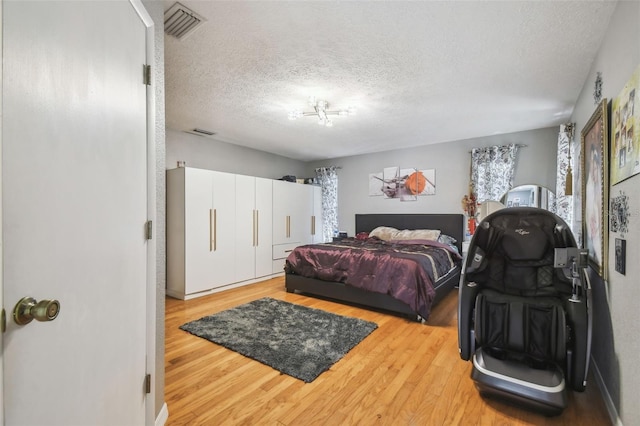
pixel 616 344
pixel 536 164
pixel 207 153
pixel 156 11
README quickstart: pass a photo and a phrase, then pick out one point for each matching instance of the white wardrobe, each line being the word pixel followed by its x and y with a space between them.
pixel 297 219
pixel 218 231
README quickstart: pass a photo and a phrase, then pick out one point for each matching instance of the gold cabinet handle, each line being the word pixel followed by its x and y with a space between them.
pixel 212 229
pixel 255 228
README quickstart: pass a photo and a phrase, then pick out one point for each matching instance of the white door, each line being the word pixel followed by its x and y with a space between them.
pixel 264 212
pixel 291 212
pixel 200 230
pixel 282 201
pixel 302 212
pixel 74 178
pixel 224 207
pixel 245 231
pixel 318 231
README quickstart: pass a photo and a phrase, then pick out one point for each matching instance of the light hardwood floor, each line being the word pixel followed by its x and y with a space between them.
pixel 404 373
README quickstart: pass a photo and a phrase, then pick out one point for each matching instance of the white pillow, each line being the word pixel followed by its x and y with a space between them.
pixel 385 233
pixel 417 234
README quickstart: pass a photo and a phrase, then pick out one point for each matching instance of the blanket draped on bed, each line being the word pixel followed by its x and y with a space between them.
pixel 405 270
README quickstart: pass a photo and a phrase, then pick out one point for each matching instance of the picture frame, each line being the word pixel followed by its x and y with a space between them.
pixel 621 256
pixel 402 184
pixel 595 186
pixel 625 131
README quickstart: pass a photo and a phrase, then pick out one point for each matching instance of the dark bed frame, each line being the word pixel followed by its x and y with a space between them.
pixel 450 224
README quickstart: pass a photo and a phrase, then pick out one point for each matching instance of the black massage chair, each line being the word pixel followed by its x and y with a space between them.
pixel 524 309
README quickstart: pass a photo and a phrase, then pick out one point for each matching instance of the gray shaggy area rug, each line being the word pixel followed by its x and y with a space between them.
pixel 299 341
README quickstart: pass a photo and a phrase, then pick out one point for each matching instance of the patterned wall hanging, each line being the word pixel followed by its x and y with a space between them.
pixel 619 214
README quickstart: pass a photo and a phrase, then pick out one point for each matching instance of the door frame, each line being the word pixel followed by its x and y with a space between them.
pixel 151 215
pixel 1 232
pixel 150 416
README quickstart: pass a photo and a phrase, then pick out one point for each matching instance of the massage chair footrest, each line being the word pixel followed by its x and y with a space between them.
pixel 542 390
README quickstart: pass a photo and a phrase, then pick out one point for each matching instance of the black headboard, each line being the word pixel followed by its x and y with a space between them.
pixel 450 224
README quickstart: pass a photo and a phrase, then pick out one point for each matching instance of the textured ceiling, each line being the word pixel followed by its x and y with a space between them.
pixel 418 72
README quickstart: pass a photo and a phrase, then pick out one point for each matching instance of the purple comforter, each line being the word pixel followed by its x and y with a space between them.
pixel 405 270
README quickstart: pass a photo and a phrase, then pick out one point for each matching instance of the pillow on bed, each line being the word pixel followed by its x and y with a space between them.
pixel 417 234
pixel 385 233
pixel 447 239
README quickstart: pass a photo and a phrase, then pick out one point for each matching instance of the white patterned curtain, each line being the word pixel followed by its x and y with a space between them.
pixel 492 171
pixel 328 179
pixel 564 202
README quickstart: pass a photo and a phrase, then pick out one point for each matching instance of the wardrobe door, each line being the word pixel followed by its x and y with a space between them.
pixel 264 219
pixel 317 236
pixel 303 225
pixel 198 230
pixel 245 256
pixel 223 247
pixel 302 214
pixel 283 201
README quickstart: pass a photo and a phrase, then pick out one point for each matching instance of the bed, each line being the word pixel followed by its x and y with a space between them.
pixel 346 291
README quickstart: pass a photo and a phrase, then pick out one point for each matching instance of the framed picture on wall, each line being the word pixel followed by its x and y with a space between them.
pixel 594 172
pixel 625 131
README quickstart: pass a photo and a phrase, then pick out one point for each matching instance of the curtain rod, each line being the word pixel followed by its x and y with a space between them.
pixel 519 145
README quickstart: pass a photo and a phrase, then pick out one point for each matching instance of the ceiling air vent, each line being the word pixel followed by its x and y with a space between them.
pixel 180 21
pixel 201 132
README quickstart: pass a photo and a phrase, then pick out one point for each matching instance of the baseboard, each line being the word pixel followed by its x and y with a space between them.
pixel 182 296
pixel 608 402
pixel 163 415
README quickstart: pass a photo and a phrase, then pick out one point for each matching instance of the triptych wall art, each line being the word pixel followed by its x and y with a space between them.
pixel 403 184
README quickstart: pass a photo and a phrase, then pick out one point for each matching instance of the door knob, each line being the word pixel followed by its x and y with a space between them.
pixel 27 309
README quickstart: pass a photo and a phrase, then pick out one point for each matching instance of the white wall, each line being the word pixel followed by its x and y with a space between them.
pixel 616 342
pixel 536 164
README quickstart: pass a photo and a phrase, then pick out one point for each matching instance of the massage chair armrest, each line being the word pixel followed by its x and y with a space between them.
pixel 466 302
pixel 579 320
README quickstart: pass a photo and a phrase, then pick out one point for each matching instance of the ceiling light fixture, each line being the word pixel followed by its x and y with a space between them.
pixel 320 110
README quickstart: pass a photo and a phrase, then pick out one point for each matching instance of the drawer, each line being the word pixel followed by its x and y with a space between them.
pixel 278 266
pixel 281 251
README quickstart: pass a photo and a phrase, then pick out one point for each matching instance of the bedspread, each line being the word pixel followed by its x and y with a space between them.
pixel 405 270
